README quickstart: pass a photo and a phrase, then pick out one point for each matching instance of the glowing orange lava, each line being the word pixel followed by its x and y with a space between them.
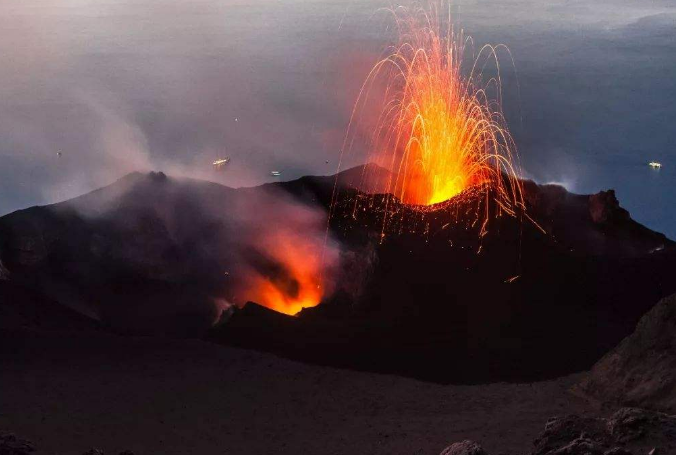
pixel 290 275
pixel 440 131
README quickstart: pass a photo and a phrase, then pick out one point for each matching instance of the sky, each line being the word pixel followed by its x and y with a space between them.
pixel 172 85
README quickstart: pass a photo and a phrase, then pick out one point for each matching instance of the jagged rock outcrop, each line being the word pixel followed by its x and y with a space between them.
pixel 572 432
pixel 628 431
pixel 641 370
pixel 604 207
pixel 465 447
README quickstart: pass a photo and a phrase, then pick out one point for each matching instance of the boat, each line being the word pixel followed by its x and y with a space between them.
pixel 655 165
pixel 220 162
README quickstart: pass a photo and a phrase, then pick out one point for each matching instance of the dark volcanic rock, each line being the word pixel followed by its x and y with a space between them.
pixel 634 425
pixel 604 208
pixel 466 447
pixel 617 451
pixel 22 308
pixel 434 298
pixel 641 371
pixel 12 445
pixel 572 431
pixel 629 430
pixel 515 304
pixel 144 254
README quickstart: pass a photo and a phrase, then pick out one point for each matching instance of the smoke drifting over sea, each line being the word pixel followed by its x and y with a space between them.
pixel 146 92
pixel 124 86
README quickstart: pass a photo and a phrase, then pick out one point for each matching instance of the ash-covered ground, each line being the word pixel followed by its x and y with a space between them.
pixel 67 393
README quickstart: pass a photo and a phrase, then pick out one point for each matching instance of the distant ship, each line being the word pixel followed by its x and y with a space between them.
pixel 220 162
pixel 275 173
pixel 655 165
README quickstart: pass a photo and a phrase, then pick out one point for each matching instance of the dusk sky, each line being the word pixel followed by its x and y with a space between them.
pixel 120 86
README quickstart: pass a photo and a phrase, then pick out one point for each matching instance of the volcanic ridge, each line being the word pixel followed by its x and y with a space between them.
pixel 434 294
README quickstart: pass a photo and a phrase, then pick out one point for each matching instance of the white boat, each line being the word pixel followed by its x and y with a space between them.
pixel 655 165
pixel 220 162
pixel 275 173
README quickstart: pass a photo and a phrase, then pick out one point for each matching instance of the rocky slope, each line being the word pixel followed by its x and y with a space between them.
pixel 640 371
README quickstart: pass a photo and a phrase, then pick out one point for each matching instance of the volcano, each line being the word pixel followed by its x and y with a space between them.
pixel 432 296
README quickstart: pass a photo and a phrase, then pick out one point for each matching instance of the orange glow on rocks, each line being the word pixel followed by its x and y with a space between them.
pixel 290 277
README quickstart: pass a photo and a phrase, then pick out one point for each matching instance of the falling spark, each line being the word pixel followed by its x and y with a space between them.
pixel 439 132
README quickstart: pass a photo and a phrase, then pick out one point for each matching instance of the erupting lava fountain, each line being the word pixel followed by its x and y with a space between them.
pixel 439 132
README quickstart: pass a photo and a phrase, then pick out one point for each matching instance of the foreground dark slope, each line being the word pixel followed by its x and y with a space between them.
pixel 148 254
pixel 641 370
pixel 159 396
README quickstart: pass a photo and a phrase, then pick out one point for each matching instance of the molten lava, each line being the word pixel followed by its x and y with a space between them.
pixel 439 132
pixel 287 272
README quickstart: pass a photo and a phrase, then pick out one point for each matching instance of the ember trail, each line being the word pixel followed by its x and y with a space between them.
pixel 439 132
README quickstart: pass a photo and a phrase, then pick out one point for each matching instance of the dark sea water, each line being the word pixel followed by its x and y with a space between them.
pixel 117 86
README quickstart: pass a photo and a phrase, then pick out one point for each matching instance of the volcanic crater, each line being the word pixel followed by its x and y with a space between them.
pixel 432 294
